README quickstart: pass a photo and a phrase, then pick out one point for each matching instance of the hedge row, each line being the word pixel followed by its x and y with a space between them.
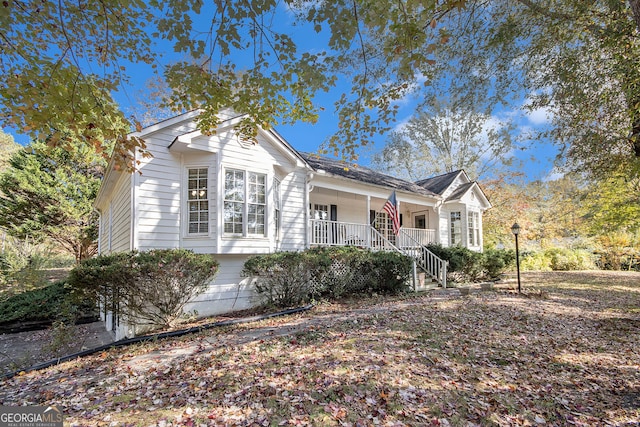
pixel 42 306
pixel 151 287
pixel 287 279
pixel 468 266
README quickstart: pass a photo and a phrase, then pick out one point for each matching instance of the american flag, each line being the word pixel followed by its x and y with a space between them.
pixel 391 206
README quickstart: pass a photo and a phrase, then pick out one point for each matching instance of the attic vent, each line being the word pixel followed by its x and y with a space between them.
pixel 245 142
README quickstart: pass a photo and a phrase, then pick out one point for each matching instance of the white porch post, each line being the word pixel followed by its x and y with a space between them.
pixel 367 220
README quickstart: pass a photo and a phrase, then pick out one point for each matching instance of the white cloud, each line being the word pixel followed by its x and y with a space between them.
pixel 400 125
pixel 553 175
pixel 539 116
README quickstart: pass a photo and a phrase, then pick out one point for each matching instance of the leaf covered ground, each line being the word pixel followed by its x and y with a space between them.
pixel 563 353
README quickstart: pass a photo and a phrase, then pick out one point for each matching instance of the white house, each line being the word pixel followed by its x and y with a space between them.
pixel 223 195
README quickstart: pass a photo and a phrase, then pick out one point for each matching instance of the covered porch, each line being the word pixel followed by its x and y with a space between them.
pixel 347 213
pixel 339 218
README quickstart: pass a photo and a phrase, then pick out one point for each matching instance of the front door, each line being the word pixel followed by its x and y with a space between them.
pixel 384 225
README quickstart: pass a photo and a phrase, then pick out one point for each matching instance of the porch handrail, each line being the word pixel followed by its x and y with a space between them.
pixel 386 243
pixel 428 261
pixel 420 236
pixel 334 233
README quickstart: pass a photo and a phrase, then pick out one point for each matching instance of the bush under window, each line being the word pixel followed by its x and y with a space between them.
pixel 287 279
pixel 150 287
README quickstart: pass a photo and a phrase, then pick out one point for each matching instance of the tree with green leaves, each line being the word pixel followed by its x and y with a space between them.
pixel 440 139
pixel 62 61
pixel 612 205
pixel 576 60
pixel 49 193
pixel 7 147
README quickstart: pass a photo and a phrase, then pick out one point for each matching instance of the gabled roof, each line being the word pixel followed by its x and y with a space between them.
pixel 439 184
pixel 460 191
pixel 279 142
pixel 362 174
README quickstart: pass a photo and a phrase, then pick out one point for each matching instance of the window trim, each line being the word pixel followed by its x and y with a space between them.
pixel 473 226
pixel 277 207
pixel 187 201
pixel 245 203
pixel 452 221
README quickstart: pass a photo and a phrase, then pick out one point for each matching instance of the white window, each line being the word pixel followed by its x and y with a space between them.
pixel 244 202
pixel 456 228
pixel 277 206
pixel 320 212
pixel 383 223
pixel 198 201
pixel 474 228
pixel 257 196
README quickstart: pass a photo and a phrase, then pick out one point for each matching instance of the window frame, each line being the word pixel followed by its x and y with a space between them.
pixel 189 201
pixel 452 228
pixel 320 212
pixel 277 207
pixel 245 203
pixel 473 225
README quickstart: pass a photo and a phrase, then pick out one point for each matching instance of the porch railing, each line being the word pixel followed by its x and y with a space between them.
pixel 333 233
pixel 412 236
pixel 427 260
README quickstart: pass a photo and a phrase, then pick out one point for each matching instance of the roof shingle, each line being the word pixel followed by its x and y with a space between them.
pixel 363 174
pixel 439 184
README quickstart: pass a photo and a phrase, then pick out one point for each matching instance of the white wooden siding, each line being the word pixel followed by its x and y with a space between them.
pixel 121 215
pixel 104 243
pixel 158 187
pixel 228 291
pixel 158 192
pixel 160 197
pixel 351 207
pixel 445 237
pixel 293 211
pixel 262 157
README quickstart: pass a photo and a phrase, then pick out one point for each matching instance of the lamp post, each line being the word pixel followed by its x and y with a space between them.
pixel 515 229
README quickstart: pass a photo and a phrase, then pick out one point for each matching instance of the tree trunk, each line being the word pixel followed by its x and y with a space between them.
pixel 635 114
pixel 635 9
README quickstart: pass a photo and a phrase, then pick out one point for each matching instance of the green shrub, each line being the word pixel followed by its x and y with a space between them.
pixel 465 265
pixel 152 287
pixel 44 304
pixel 390 272
pixel 291 278
pixel 286 278
pixel 344 274
pixel 558 259
pixel 535 261
pixel 496 261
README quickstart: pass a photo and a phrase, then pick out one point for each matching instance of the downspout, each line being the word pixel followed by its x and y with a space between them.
pixel 437 208
pixel 99 230
pixel 307 189
pixel 133 241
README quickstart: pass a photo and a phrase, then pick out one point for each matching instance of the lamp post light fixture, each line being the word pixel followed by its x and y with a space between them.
pixel 515 229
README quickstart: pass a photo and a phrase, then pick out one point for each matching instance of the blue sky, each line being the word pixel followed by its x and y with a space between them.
pixel 535 161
